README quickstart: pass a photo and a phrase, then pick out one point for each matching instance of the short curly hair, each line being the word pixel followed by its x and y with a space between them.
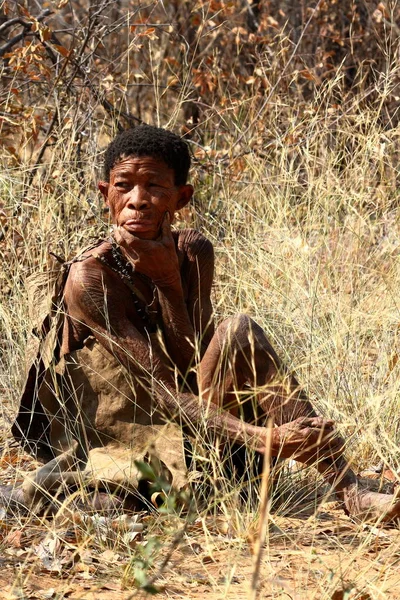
pixel 146 140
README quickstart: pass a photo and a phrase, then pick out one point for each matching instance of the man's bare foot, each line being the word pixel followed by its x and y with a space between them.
pixel 363 505
pixel 100 502
pixel 12 499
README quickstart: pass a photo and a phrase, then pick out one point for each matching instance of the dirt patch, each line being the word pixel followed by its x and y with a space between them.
pixel 308 554
pixel 315 557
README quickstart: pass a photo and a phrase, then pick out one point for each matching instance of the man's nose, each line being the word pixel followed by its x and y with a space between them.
pixel 139 198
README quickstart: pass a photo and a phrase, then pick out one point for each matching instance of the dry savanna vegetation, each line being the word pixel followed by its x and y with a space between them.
pixel 291 112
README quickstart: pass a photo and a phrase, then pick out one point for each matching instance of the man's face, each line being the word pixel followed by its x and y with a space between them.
pixel 140 191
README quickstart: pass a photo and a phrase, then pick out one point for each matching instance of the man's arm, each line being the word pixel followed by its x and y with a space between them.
pixel 198 272
pixel 187 322
pixel 96 298
pixel 158 260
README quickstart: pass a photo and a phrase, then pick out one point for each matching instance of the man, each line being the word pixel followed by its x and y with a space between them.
pixel 137 359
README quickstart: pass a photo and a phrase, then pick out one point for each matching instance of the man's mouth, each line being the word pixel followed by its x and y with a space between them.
pixel 138 224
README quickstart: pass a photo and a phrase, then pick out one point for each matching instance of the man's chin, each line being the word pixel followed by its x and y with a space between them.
pixel 142 231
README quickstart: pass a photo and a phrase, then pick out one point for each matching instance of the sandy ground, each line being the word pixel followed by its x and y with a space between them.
pixel 307 555
pixel 320 556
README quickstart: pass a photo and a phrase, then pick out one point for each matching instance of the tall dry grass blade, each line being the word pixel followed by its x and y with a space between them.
pixel 264 512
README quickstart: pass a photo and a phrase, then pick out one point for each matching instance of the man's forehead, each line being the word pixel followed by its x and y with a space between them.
pixel 125 163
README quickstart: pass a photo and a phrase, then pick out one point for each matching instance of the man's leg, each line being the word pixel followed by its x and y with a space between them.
pixel 240 360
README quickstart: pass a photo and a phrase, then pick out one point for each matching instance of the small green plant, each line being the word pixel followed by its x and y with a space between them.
pixel 145 564
pixel 142 564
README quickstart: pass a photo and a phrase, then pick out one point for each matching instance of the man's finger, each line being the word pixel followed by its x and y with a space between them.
pixel 166 233
pixel 121 234
pixel 119 237
pixel 128 240
pixel 128 243
pixel 322 423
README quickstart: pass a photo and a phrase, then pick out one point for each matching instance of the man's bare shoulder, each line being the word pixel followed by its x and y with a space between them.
pixel 89 271
pixel 193 244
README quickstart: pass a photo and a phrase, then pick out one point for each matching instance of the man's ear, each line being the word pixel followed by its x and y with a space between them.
pixel 186 192
pixel 103 187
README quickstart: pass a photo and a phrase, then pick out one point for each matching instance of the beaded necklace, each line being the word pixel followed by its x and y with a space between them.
pixel 126 271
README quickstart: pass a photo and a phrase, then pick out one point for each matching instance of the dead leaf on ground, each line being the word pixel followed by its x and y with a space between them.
pixel 15 592
pixel 14 538
pixel 349 594
pixel 50 555
pixel 109 556
pixel 46 594
pixel 207 560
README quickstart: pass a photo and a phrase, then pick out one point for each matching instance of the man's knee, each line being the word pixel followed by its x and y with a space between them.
pixel 236 324
pixel 241 329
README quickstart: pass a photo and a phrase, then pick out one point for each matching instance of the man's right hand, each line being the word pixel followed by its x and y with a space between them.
pixel 306 436
pixel 157 259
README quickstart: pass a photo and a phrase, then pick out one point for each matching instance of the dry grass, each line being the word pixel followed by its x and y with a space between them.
pixel 304 219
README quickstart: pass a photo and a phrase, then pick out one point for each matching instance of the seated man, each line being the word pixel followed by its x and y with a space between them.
pixel 132 359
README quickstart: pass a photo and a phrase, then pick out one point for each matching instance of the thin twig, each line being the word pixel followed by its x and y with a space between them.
pixel 93 20
pixel 268 98
pixel 17 38
pixel 11 22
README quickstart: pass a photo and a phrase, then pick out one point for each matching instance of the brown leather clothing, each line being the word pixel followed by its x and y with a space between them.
pixel 79 401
